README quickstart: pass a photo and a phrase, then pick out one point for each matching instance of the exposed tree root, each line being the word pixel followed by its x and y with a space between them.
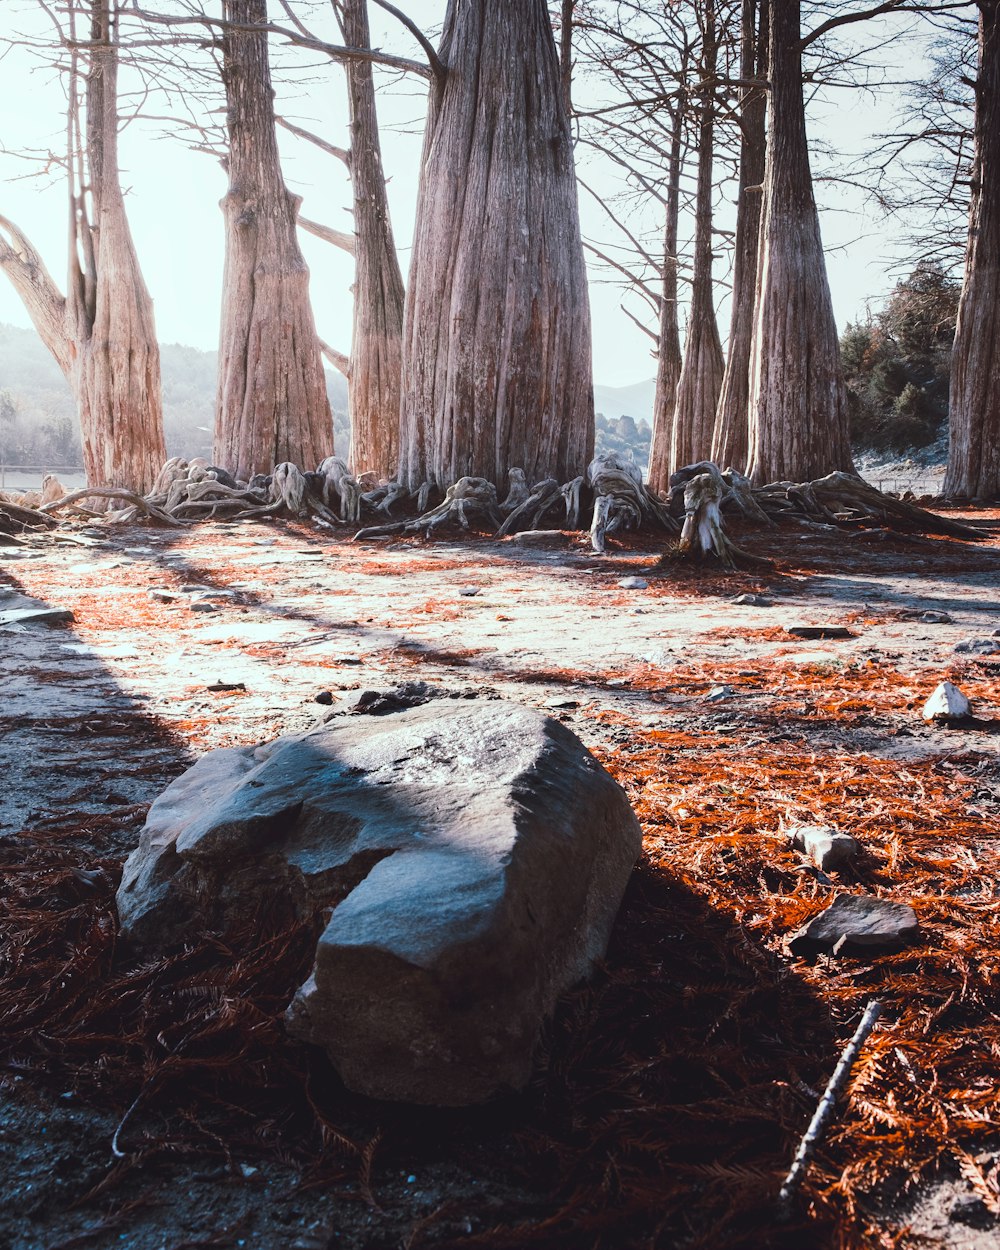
pixel 185 492
pixel 703 533
pixel 468 496
pixel 621 500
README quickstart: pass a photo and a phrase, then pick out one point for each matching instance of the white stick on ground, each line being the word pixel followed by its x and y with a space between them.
pixel 824 1111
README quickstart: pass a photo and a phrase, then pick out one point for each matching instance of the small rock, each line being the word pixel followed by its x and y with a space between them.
pixel 827 847
pixel 561 702
pixel 325 697
pixel 218 687
pixel 936 618
pixel 819 631
pixel 203 605
pixel 36 616
pixel 754 601
pixel 633 583
pixel 248 1171
pixel 947 703
pixel 468 591
pixel 718 693
pixel 161 596
pixel 854 925
pixel 978 646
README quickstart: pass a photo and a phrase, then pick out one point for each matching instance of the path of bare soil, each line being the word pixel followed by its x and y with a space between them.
pixel 671 1092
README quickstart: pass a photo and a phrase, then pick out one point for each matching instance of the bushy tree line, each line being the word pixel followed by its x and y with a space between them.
pixel 897 364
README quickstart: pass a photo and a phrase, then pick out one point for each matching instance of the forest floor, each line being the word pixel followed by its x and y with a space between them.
pixel 672 1090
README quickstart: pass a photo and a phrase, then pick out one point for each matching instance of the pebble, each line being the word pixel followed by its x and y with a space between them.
pixel 947 703
pixel 754 601
pixel 203 605
pixel 633 583
pixel 561 702
pixel 936 618
pixel 325 697
pixel 825 846
pixel 718 693
pixel 161 596
pixel 468 591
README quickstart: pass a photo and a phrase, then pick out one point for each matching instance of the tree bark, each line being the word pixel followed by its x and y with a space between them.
pixel 730 442
pixel 272 404
pixel 701 373
pixel 376 348
pixel 799 427
pixel 496 340
pixel 974 420
pixel 102 333
pixel 668 355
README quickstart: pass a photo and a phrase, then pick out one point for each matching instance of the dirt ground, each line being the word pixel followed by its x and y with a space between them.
pixel 672 1091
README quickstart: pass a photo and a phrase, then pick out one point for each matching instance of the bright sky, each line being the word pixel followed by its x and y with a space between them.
pixel 173 197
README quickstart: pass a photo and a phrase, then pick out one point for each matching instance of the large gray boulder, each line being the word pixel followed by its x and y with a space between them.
pixel 471 857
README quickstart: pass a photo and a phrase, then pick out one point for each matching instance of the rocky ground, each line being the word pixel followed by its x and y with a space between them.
pixel 671 1094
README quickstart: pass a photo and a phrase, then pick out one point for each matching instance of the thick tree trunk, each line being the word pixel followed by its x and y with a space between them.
pixel 496 341
pixel 974 450
pixel 730 442
pixel 376 349
pixel 799 427
pixel 701 372
pixel 102 333
pixel 272 404
pixel 668 355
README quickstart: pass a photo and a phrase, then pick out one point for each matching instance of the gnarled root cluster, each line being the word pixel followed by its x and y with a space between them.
pixel 612 490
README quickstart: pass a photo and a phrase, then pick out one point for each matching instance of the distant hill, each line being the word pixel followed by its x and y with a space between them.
pixel 626 401
pixel 38 416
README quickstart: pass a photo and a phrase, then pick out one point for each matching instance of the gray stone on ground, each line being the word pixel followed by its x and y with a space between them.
pixel 633 583
pixel 469 857
pixel 947 703
pixel 857 925
pixel 754 601
pixel 978 646
pixel 827 847
pixel 36 616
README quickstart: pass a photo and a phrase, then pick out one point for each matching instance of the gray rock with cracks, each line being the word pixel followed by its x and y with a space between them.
pixel 468 859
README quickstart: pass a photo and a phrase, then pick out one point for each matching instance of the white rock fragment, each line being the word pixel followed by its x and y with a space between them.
pixel 468 591
pixel 633 583
pixel 825 846
pixel 718 693
pixel 947 703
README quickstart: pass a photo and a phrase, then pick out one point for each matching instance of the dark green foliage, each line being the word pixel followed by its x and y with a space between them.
pixel 898 365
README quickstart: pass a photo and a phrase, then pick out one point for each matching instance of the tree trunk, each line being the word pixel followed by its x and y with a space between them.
pixel 974 423
pixel 668 355
pixel 798 402
pixel 496 340
pixel 102 333
pixel 376 349
pixel 701 372
pixel 730 442
pixel 272 404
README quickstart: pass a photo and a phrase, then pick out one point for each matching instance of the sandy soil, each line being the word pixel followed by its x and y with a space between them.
pixel 99 715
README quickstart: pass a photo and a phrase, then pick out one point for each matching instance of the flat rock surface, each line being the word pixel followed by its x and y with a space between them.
pixel 473 852
pixel 854 925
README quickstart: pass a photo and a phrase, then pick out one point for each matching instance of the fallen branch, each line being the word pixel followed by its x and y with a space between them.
pixel 824 1111
pixel 112 492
